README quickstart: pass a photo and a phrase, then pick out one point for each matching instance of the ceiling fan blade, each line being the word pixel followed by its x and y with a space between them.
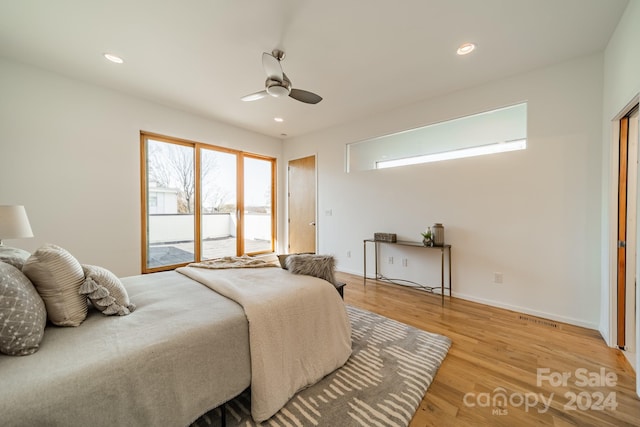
pixel 255 96
pixel 304 96
pixel 272 66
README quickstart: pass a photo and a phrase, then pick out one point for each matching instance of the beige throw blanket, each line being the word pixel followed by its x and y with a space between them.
pixel 244 261
pixel 298 329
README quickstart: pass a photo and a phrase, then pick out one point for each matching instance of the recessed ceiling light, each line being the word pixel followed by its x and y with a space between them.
pixel 278 119
pixel 113 58
pixel 466 48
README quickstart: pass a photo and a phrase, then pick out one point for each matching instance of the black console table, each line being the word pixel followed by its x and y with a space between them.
pixel 442 250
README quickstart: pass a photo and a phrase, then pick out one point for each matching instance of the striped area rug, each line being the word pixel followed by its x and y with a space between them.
pixel 382 383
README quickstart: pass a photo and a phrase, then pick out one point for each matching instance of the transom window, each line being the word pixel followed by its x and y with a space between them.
pixel 496 131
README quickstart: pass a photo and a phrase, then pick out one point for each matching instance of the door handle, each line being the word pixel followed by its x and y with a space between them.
pixel 313 223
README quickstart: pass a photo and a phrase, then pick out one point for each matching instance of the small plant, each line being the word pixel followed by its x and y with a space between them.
pixel 427 234
pixel 427 237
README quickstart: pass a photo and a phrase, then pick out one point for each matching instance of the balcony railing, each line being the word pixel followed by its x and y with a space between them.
pixel 171 236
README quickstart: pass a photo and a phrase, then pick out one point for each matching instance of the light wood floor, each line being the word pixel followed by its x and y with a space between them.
pixel 495 348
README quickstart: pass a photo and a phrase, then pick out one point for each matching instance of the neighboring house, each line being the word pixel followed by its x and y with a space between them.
pixel 162 200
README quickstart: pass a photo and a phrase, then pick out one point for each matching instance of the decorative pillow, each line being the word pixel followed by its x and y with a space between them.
pixel 106 291
pixel 283 261
pixel 283 258
pixel 321 266
pixel 13 256
pixel 22 313
pixel 57 276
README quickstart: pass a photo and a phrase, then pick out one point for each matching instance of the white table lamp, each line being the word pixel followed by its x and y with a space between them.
pixel 14 223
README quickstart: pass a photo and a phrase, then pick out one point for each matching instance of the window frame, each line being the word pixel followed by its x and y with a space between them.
pixel 197 235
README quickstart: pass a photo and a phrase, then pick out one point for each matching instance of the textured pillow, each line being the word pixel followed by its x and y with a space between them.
pixel 13 256
pixel 57 276
pixel 22 313
pixel 283 258
pixel 105 291
pixel 321 266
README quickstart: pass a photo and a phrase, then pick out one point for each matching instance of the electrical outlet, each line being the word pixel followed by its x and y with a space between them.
pixel 348 254
pixel 390 260
pixel 404 262
pixel 497 277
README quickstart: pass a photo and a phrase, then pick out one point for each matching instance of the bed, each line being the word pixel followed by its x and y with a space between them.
pixel 184 350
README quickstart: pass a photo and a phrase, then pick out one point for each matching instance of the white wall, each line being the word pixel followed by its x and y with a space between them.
pixel 70 152
pixel 621 86
pixel 532 215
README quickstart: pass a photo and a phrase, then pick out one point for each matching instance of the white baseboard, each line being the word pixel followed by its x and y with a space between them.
pixel 605 336
pixel 525 310
pixel 519 309
pixel 355 273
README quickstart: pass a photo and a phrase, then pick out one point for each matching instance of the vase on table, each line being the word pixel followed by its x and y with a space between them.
pixel 438 234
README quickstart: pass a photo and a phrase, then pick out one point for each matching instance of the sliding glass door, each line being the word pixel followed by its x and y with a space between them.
pixel 258 205
pixel 219 211
pixel 201 202
pixel 170 192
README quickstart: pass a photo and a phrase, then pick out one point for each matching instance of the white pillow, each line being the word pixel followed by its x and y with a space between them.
pixel 57 276
pixel 106 291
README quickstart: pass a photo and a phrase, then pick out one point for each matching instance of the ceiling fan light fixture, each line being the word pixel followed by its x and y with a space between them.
pixel 278 91
pixel 466 49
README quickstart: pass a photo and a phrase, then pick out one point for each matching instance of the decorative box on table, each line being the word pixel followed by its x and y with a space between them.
pixel 385 237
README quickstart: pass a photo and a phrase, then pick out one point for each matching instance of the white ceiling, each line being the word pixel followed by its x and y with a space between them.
pixel 362 56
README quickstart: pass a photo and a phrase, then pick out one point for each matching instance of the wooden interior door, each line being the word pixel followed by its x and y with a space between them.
pixel 622 230
pixel 302 205
pixel 632 232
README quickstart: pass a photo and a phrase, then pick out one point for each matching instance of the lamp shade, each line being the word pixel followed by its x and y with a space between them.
pixel 14 223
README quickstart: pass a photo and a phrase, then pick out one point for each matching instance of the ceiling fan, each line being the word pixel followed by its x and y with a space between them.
pixel 278 84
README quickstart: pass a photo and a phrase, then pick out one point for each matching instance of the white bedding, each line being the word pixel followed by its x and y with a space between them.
pixel 298 329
